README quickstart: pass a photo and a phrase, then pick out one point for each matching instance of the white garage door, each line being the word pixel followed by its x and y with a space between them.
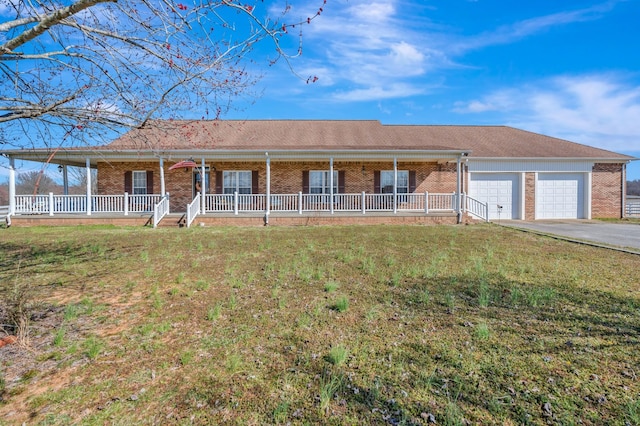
pixel 496 189
pixel 560 196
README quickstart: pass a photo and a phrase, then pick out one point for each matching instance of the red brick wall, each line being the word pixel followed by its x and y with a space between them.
pixel 606 193
pixel 286 177
pixel 530 196
pixel 178 183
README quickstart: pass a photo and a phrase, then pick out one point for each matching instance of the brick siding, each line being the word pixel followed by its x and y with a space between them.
pixel 286 177
pixel 530 196
pixel 606 193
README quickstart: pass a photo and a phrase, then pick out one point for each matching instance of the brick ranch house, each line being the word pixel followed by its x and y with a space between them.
pixel 306 171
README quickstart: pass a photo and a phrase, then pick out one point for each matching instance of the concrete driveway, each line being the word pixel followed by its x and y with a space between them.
pixel 610 234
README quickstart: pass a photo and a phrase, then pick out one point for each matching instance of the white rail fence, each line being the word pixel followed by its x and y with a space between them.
pixel 632 209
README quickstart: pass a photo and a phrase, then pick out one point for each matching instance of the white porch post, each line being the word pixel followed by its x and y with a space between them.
pixel 12 186
pixel 268 203
pixel 523 188
pixel 88 171
pixel 458 188
pixel 587 195
pixel 331 183
pixel 395 184
pixel 65 180
pixel 162 187
pixel 203 186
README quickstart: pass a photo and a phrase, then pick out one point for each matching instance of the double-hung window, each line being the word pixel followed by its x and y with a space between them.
pixel 139 182
pixel 236 181
pixel 386 182
pixel 319 182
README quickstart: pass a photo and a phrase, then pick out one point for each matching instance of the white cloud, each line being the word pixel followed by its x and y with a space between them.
pixel 511 33
pixel 378 44
pixel 599 110
pixel 369 46
pixel 503 100
pixel 398 90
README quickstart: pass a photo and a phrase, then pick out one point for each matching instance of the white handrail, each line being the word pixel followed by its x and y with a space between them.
pixel 476 207
pixel 193 209
pixel 160 210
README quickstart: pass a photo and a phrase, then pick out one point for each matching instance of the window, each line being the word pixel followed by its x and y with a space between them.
pixel 139 182
pixel 236 181
pixel 386 182
pixel 319 182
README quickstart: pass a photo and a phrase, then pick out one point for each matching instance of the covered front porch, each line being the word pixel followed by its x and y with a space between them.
pixel 338 185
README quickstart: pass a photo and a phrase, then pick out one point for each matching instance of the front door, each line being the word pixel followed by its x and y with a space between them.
pixel 197 181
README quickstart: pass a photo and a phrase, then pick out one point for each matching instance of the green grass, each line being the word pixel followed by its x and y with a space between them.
pixel 341 304
pixel 337 355
pixel 320 325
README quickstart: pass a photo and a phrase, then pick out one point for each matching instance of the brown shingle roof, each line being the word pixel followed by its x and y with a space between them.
pixel 483 141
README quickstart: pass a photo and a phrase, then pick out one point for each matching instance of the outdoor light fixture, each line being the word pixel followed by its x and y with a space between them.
pixel 363 170
pixel 60 168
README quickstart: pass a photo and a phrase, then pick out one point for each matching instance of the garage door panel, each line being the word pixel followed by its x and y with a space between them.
pixel 496 189
pixel 560 196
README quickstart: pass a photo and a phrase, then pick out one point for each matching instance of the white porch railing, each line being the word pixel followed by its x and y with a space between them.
pixel 300 203
pixel 160 210
pixel 476 208
pixel 193 209
pixel 244 203
pixel 61 204
pixel 4 213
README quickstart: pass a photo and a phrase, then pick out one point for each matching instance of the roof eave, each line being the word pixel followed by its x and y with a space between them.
pixel 624 159
pixel 79 156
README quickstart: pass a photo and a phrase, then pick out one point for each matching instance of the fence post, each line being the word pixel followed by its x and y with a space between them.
pixel 300 202
pixel 51 204
pixel 126 204
pixel 364 200
pixel 235 202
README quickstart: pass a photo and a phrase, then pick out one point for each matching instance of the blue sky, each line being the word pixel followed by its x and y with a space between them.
pixel 569 69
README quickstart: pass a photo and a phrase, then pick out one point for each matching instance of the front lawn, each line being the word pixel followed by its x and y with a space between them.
pixel 337 325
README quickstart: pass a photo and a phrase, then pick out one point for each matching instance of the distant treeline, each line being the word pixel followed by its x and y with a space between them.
pixel 633 187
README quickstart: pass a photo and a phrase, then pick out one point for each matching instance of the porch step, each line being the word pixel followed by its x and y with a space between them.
pixel 173 220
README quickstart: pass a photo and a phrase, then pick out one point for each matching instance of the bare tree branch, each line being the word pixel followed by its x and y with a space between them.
pixel 48 21
pixel 104 65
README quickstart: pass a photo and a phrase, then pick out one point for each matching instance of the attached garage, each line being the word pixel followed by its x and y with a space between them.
pixel 497 189
pixel 560 196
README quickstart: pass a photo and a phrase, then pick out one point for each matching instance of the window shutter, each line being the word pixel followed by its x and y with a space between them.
pixel 128 182
pixel 412 181
pixel 218 182
pixel 149 181
pixel 341 183
pixel 376 181
pixel 305 181
pixel 254 182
